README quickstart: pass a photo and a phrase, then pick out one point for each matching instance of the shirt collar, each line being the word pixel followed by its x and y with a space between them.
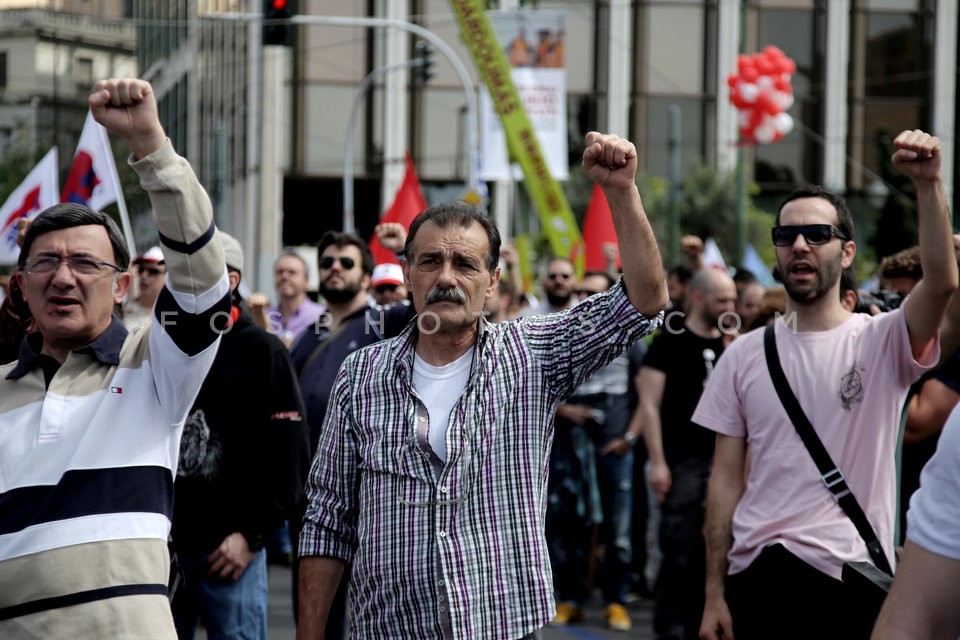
pixel 404 344
pixel 105 348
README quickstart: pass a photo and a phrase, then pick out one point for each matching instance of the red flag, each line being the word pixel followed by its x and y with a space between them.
pixel 407 205
pixel 597 231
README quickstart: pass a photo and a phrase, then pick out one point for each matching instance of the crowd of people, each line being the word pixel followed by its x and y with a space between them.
pixel 443 452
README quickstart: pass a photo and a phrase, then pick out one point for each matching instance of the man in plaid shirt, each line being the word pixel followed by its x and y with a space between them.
pixel 431 471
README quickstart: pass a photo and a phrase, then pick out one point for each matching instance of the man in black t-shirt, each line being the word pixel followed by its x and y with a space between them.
pixel 674 372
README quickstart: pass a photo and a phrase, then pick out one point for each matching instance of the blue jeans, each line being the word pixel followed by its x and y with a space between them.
pixel 615 476
pixel 229 610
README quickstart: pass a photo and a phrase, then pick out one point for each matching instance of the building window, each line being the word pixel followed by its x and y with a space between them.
pixel 3 69
pixel 797 158
pixel 895 52
pixel 83 72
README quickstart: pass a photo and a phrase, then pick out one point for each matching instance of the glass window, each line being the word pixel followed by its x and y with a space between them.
pixel 797 158
pixel 898 59
pixel 84 72
pixel 896 5
pixel 658 128
pixel 882 121
pixel 674 48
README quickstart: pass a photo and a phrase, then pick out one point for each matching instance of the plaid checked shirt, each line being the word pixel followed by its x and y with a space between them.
pixel 454 550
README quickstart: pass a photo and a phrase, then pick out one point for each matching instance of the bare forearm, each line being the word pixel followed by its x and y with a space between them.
pixel 641 261
pixel 319 578
pixel 718 534
pixel 652 434
pixel 723 493
pixel 936 237
pixel 922 600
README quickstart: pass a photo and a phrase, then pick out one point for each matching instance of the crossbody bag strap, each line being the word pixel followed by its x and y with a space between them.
pixel 320 348
pixel 829 472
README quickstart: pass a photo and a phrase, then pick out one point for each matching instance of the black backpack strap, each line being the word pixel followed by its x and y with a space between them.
pixel 829 472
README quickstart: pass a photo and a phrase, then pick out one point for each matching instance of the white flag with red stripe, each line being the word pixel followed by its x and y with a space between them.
pixel 93 179
pixel 38 191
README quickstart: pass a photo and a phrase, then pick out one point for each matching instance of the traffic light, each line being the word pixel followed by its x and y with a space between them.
pixel 424 71
pixel 276 28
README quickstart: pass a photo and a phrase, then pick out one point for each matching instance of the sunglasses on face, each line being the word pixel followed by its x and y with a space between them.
pixel 384 288
pixel 559 276
pixel 153 271
pixel 786 235
pixel 327 262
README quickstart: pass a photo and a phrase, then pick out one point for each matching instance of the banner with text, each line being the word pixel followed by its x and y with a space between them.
pixel 548 198
pixel 533 41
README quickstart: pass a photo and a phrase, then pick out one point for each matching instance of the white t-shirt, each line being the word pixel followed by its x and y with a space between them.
pixel 933 520
pixel 851 382
pixel 440 388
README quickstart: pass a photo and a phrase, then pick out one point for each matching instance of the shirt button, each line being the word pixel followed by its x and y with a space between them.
pixel 422 419
pixel 440 583
pixel 443 489
pixel 443 534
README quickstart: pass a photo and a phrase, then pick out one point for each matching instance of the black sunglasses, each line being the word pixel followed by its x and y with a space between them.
pixel 153 271
pixel 347 263
pixel 383 288
pixel 786 235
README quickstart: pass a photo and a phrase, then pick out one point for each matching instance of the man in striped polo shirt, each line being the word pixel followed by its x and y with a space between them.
pixel 91 414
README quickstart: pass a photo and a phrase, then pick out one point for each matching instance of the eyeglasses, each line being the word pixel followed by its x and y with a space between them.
pixel 416 481
pixel 559 276
pixel 79 265
pixel 326 262
pixel 384 288
pixel 153 271
pixel 786 235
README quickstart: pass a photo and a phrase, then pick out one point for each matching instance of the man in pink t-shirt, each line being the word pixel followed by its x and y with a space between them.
pixel 776 538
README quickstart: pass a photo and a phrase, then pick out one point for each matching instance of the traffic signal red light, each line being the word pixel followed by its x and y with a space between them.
pixel 276 26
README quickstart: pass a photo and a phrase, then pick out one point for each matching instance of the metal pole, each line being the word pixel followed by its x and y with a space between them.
pixel 426 34
pixel 741 213
pixel 673 146
pixel 348 217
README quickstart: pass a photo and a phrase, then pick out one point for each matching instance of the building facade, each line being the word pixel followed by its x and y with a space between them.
pixel 266 127
pixel 49 59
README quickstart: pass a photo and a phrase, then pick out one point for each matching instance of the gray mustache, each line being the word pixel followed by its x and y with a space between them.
pixel 452 294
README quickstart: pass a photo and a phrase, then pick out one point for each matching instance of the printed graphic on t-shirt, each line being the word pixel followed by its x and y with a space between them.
pixel 851 386
pixel 200 450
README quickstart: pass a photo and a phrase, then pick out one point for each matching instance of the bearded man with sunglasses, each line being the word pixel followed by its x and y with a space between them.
pixel 91 413
pixel 777 538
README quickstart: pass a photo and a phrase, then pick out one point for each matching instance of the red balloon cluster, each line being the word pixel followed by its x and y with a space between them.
pixel 761 92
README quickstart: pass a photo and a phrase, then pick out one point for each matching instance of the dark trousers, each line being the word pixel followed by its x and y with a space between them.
pixel 781 596
pixel 678 592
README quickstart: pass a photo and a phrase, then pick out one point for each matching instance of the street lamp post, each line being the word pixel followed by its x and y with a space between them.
pixel 349 225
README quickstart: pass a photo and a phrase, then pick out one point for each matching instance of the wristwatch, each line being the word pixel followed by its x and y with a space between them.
pixel 630 438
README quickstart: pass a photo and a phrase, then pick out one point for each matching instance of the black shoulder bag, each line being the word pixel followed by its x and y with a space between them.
pixel 868 582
